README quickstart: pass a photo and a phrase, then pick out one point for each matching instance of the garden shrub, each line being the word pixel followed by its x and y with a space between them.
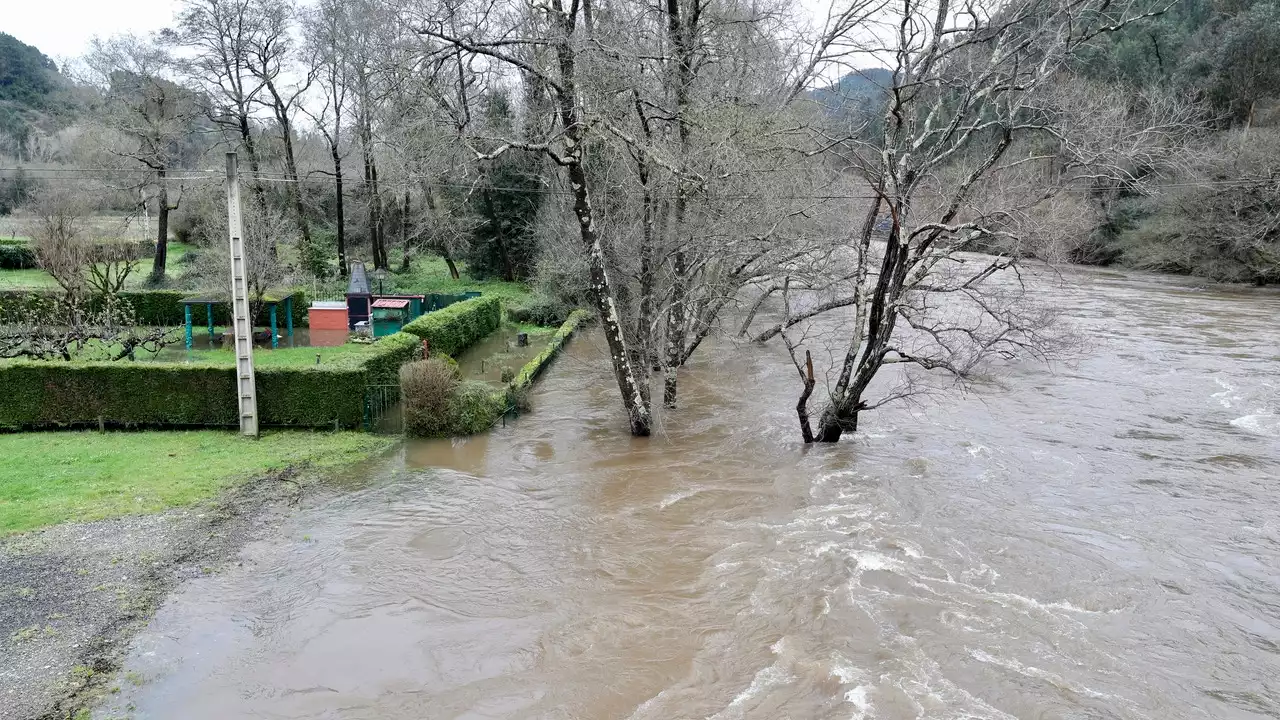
pixel 458 326
pixel 474 408
pixel 539 310
pixel 426 387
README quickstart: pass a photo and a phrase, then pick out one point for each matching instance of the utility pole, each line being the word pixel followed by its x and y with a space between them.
pixel 242 324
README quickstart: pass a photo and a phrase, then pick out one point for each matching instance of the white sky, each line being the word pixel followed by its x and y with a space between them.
pixel 61 28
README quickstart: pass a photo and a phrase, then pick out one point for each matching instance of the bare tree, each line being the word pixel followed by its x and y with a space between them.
pixel 270 55
pixel 550 52
pixel 88 320
pixel 327 29
pixel 969 84
pixel 153 117
pixel 217 37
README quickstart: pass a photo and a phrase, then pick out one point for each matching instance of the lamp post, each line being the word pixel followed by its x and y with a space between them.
pixel 380 275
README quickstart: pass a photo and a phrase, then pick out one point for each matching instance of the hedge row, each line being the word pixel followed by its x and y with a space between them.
pixel 129 394
pixel 16 257
pixel 534 367
pixel 390 352
pixel 40 394
pixel 21 256
pixel 153 307
pixel 459 326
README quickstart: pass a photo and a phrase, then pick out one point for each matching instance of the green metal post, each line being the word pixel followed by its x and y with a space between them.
pixel 209 314
pixel 274 342
pixel 187 312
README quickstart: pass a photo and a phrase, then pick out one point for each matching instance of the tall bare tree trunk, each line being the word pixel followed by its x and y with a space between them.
pixel 680 29
pixel 161 259
pixel 404 234
pixel 633 399
pixel 292 187
pixel 507 273
pixel 376 239
pixel 340 201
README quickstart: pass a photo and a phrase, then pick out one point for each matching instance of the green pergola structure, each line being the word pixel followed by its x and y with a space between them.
pixel 273 304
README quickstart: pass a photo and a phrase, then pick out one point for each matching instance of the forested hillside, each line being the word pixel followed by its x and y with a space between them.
pixel 32 97
pixel 1218 216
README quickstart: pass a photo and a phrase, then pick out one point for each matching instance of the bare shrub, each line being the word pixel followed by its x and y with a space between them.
pixel 426 387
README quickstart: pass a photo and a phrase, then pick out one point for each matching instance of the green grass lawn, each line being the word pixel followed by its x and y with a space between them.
pixel 280 357
pixel 431 275
pixel 55 477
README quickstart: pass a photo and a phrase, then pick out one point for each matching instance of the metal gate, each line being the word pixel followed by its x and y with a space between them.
pixel 382 410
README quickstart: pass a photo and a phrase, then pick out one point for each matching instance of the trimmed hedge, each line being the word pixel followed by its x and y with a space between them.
pixel 17 257
pixel 148 394
pixel 40 394
pixel 458 326
pixel 20 255
pixel 319 396
pixel 161 308
pixel 390 352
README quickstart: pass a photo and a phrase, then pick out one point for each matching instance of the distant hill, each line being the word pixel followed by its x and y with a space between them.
pixel 855 91
pixel 32 94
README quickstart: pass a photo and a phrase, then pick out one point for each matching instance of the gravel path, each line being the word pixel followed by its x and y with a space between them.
pixel 72 595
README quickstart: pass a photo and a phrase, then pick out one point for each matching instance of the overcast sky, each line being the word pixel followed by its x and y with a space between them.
pixel 62 28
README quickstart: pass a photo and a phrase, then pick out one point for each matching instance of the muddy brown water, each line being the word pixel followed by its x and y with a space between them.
pixel 1099 540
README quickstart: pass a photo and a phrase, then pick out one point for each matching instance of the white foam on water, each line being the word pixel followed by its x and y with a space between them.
pixel 1227 396
pixel 1265 424
pixel 1034 672
pixel 849 674
pixel 674 498
pixel 860 701
pixel 868 560
pixel 765 679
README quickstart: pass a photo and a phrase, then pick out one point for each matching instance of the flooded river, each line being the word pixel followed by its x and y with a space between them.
pixel 1096 540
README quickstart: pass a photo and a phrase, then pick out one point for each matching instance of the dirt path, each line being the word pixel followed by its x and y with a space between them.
pixel 71 596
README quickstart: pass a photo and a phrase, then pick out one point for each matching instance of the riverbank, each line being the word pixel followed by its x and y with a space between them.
pixel 100 527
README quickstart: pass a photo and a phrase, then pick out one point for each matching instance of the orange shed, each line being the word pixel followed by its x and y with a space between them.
pixel 328 315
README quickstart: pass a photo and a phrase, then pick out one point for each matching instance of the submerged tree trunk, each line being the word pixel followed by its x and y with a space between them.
pixel 675 325
pixel 802 405
pixel 681 29
pixel 633 398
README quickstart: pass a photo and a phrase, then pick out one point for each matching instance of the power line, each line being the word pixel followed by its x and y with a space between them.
pixel 214 177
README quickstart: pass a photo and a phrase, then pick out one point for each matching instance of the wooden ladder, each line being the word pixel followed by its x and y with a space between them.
pixel 242 323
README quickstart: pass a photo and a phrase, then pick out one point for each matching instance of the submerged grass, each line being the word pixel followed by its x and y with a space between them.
pixel 50 478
